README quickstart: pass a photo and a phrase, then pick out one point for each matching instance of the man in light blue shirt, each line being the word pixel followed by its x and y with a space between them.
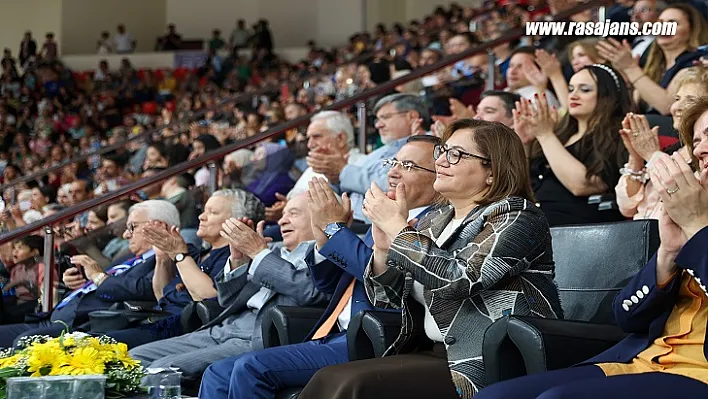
pixel 398 116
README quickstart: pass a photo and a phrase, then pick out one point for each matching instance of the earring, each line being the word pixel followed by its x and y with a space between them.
pixel 489 181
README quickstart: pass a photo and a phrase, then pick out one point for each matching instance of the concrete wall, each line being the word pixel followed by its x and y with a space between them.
pixel 293 23
pixel 38 16
pixel 84 20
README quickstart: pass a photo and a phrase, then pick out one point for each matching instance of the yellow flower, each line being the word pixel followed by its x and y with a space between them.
pixel 10 361
pixel 84 361
pixel 121 354
pixel 42 356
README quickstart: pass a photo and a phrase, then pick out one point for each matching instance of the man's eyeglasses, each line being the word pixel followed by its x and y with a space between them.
pixel 453 155
pixel 130 227
pixel 385 117
pixel 407 165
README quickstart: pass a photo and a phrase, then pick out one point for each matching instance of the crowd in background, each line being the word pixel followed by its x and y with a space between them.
pixel 593 115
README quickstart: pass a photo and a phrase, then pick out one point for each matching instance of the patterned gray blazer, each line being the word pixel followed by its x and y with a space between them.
pixel 498 262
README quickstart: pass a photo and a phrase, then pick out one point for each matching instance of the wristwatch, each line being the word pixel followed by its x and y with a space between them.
pixel 332 228
pixel 180 257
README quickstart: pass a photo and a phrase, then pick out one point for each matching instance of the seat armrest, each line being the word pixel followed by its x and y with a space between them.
pixel 208 310
pixel 370 333
pixel 527 345
pixel 286 325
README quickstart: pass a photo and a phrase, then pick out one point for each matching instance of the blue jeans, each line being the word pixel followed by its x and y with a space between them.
pixel 586 382
pixel 263 373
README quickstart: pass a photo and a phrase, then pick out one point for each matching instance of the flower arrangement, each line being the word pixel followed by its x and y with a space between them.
pixel 73 354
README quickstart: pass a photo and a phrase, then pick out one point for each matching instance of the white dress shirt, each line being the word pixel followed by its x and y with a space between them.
pixel 296 257
pixel 302 184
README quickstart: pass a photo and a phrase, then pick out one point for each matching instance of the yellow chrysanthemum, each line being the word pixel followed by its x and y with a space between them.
pixel 84 361
pixel 42 356
pixel 10 361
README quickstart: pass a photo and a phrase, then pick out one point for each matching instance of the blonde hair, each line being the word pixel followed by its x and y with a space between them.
pixel 588 46
pixel 656 61
pixel 694 75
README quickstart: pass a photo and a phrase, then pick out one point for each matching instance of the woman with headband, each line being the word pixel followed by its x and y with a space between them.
pixel 579 155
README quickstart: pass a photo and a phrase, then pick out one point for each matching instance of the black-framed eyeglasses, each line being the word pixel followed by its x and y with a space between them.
pixel 453 155
pixel 130 227
pixel 385 117
pixel 407 165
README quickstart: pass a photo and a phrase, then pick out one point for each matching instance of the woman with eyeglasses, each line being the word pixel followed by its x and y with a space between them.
pixel 483 254
pixel 580 155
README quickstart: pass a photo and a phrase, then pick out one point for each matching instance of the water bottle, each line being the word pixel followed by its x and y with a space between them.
pixel 163 383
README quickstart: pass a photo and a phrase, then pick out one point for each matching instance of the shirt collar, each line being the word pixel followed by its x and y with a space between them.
pixel 413 213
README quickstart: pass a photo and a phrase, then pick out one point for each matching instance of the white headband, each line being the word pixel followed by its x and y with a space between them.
pixel 611 72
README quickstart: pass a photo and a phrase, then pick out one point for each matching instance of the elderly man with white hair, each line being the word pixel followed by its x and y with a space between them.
pixel 182 276
pixel 398 116
pixel 96 289
pixel 329 132
pixel 253 280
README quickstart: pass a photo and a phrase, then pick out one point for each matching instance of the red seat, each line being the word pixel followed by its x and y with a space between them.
pixel 150 108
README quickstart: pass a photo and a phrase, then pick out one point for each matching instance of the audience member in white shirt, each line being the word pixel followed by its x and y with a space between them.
pixel 124 42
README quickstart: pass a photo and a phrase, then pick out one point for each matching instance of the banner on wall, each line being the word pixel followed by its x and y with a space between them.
pixel 190 59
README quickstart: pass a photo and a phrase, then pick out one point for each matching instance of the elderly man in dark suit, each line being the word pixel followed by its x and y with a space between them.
pixel 254 279
pixel 95 289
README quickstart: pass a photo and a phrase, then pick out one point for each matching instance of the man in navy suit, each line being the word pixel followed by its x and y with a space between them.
pixel 263 373
pixel 98 290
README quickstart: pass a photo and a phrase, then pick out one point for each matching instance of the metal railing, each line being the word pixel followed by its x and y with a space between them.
pixel 237 99
pixel 46 224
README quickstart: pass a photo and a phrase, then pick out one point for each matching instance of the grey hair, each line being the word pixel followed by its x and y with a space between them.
pixel 337 122
pixel 243 204
pixel 159 210
pixel 404 103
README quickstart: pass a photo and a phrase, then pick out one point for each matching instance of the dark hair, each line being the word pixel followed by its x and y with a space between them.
pixel 604 151
pixel 102 213
pixel 524 50
pixel 469 36
pixel 210 142
pixel 689 117
pixel 33 242
pixel 161 148
pixel 503 147
pixel 49 192
pixel 185 180
pixel 424 138
pixel 123 204
pixel 507 98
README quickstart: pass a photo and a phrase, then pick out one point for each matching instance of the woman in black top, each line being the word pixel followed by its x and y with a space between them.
pixel 580 155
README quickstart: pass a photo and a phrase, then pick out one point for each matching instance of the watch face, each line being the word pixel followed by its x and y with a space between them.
pixel 179 257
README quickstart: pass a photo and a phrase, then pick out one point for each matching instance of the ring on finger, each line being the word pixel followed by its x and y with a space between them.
pixel 636 133
pixel 672 191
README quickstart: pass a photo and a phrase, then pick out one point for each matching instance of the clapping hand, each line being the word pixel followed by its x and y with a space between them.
pixel 328 163
pixel 619 54
pixel 275 212
pixel 535 76
pixel 640 140
pixel 243 238
pixel 531 122
pixel 685 198
pixel 166 240
pixel 550 66
pixel 324 205
pixel 388 212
